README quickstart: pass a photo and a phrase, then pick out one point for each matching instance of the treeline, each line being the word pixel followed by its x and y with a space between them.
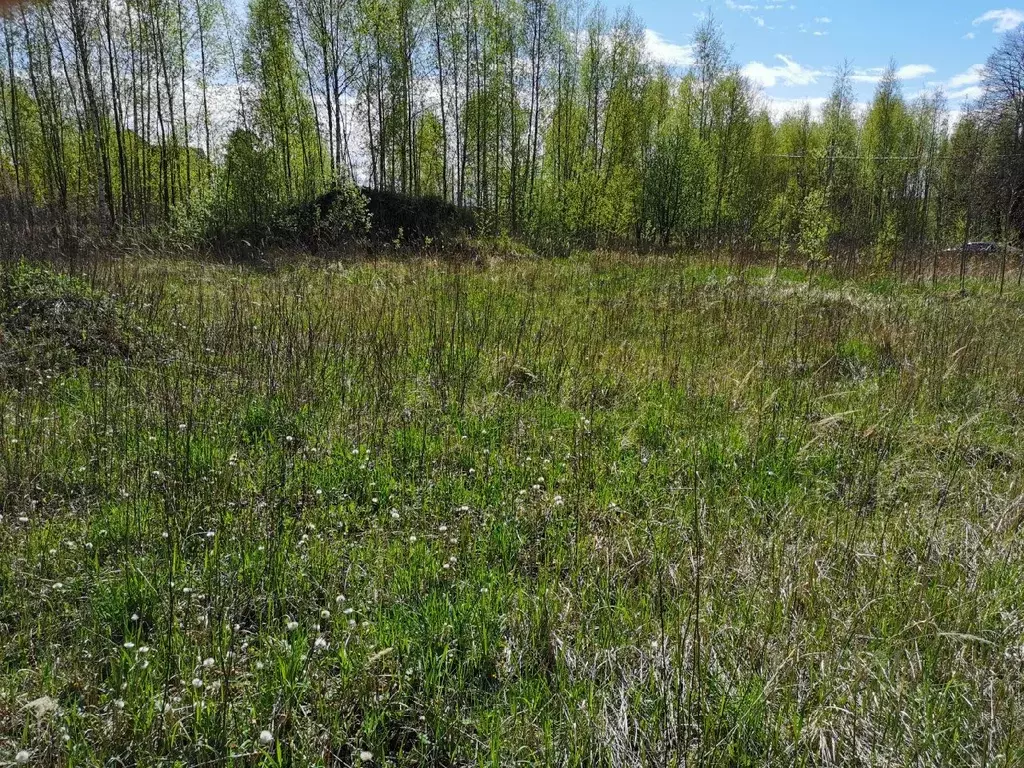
pixel 552 120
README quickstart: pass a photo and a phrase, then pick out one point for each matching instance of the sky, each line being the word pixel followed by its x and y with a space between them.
pixel 791 48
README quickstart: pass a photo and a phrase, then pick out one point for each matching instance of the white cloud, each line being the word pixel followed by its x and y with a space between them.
pixel 970 36
pixel 822 20
pixel 914 71
pixel 787 73
pixel 780 108
pixel 1005 20
pixel 970 93
pixel 972 76
pixel 665 52
pixel 909 72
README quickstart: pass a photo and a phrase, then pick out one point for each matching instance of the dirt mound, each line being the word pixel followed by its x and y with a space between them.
pixel 51 322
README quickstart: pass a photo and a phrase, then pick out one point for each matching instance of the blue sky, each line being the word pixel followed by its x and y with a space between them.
pixel 792 48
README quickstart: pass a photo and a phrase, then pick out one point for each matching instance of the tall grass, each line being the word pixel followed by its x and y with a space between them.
pixel 585 512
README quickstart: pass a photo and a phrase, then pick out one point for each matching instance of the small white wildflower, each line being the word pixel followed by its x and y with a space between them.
pixel 366 756
pixel 339 599
pixel 197 683
pixel 442 528
pixel 325 614
pixel 266 738
pixel 129 645
pixel 208 663
pixel 320 644
pixel 412 539
pixel 119 703
pixel 22 757
pixel 292 626
pixel 394 514
pixel 347 611
pixel 58 585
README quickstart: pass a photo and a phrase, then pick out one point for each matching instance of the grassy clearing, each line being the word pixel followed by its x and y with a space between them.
pixel 578 513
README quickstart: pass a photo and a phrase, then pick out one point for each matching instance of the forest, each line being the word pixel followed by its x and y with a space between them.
pixel 549 118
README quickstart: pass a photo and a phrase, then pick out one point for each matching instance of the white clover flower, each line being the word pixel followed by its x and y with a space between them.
pixel 394 514
pixel 292 626
pixel 22 757
pixel 412 539
pixel 266 738
pixel 339 599
pixel 325 614
pixel 208 663
pixel 442 528
pixel 129 645
pixel 348 611
pixel 366 756
pixel 197 683
pixel 320 644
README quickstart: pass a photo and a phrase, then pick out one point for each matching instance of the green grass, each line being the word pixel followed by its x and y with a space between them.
pixel 589 512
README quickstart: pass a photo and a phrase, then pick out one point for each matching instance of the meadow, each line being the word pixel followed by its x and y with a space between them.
pixel 601 511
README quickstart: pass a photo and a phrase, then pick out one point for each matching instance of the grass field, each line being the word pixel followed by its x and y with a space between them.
pixel 589 512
